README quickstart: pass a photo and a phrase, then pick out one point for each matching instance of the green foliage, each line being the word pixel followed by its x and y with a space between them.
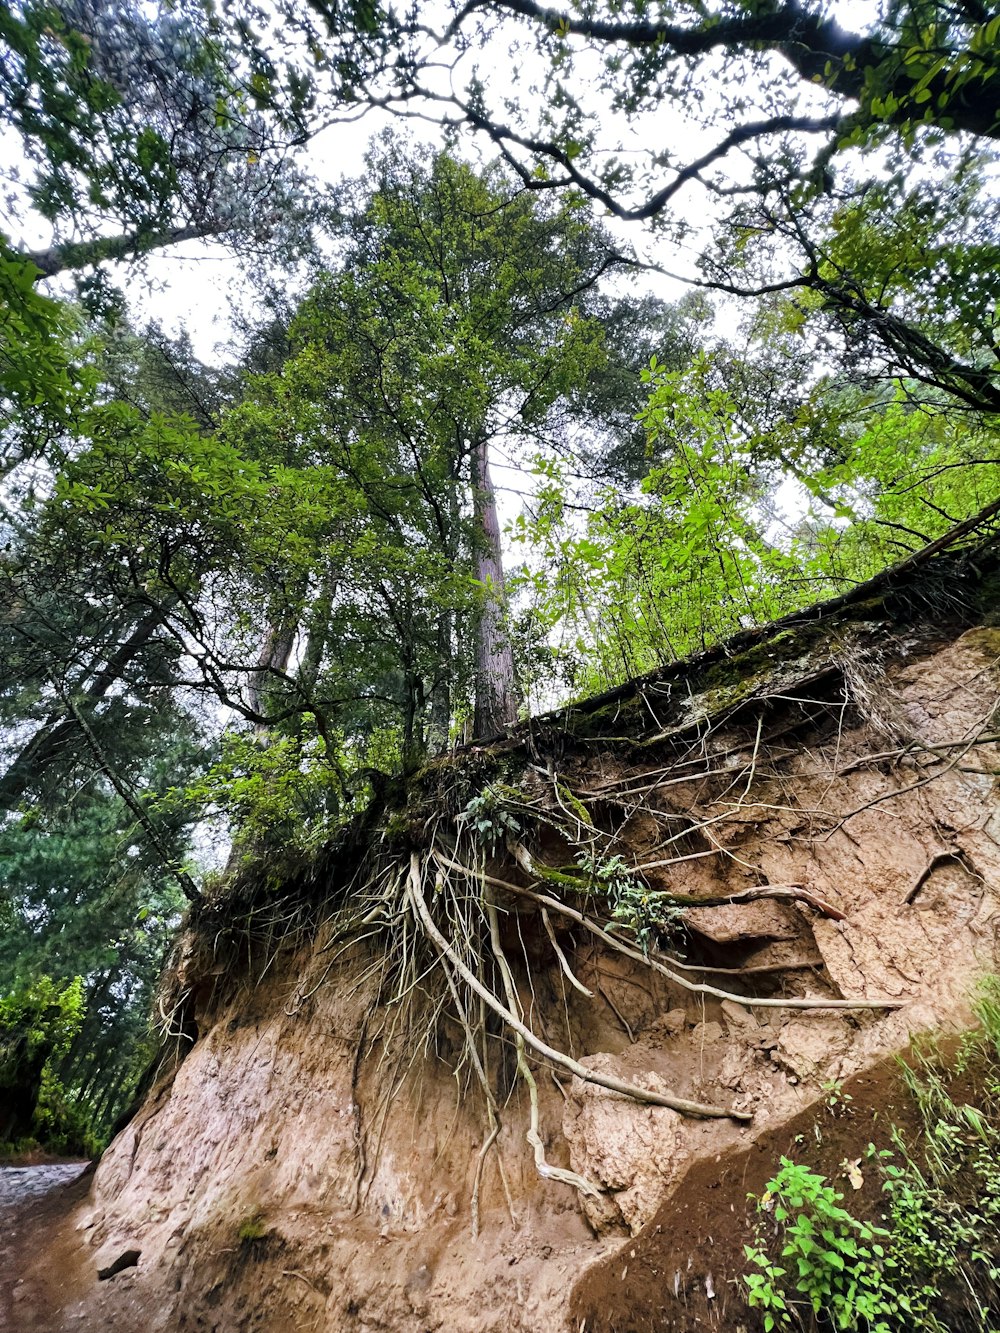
pixel 134 132
pixel 835 1265
pixel 631 905
pixel 38 1023
pixel 87 893
pixel 278 791
pixel 703 547
pixel 458 318
pixel 837 1101
pixel 61 1125
pixel 489 817
pixel 36 1018
pixel 42 382
pixel 935 1264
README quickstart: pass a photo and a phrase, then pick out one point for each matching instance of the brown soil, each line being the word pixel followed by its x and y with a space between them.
pixel 682 1273
pixel 39 1266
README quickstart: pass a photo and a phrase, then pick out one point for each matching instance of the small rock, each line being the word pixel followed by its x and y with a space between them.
pixel 670 1024
pixel 738 1017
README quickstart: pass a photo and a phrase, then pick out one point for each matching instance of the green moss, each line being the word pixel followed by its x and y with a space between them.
pixel 566 878
pixel 618 719
pixel 987 639
pixel 252 1228
pixel 396 826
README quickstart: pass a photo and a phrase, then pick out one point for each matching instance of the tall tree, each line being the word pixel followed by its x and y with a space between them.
pixel 458 321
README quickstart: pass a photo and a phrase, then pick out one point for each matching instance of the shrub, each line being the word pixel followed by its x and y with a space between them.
pixel 935 1264
pixel 37 1025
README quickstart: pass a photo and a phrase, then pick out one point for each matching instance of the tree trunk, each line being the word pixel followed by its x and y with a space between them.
pixel 497 697
pixel 439 688
pixel 276 647
pixel 317 632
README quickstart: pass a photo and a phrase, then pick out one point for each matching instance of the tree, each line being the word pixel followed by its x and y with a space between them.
pixel 809 136
pixel 457 322
pixel 140 128
pixel 88 897
pixel 773 480
pixel 37 1022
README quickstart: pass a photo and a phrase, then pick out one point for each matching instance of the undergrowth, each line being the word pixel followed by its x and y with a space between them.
pixel 38 1023
pixel 932 1260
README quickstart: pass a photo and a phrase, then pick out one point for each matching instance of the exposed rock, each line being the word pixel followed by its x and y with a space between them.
pixel 631 1152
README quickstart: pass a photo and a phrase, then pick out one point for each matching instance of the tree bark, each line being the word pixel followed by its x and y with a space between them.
pixel 439 723
pixel 85 254
pixel 317 632
pixel 497 698
pixel 277 643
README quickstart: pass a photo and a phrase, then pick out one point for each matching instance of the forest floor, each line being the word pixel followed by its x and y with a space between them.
pixel 35 1197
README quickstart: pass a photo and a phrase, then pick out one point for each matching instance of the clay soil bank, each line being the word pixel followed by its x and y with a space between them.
pixel 309 1159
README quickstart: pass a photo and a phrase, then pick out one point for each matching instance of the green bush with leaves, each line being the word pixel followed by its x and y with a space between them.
pixel 37 1025
pixel 834 1266
pixel 935 1264
pixel 276 790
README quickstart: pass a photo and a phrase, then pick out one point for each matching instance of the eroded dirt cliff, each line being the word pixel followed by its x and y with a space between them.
pixel 341 1140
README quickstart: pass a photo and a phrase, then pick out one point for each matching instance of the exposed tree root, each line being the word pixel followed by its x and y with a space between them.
pixel 544 1168
pixel 439 908
pixel 540 1047
pixel 787 892
pixel 697 988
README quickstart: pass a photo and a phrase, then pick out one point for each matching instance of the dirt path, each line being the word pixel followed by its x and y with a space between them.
pixel 33 1199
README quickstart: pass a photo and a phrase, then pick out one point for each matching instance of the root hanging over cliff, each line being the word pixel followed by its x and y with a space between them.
pixel 650 828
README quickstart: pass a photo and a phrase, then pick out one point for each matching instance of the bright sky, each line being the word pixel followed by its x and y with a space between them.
pixel 194 285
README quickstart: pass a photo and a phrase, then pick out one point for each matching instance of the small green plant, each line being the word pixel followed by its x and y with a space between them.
pixel 833 1267
pixel 835 1099
pixel 489 817
pixel 635 907
pixel 935 1265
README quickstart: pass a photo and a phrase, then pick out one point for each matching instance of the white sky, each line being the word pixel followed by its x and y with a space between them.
pixel 194 285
